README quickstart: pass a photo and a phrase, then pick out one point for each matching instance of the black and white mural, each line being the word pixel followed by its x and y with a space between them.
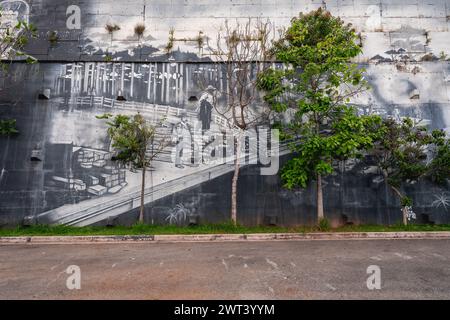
pixel 81 183
pixel 59 168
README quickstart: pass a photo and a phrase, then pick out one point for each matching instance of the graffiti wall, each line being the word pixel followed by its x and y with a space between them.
pixel 59 169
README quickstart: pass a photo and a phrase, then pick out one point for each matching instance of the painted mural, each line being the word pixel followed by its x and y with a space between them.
pixel 166 94
pixel 60 168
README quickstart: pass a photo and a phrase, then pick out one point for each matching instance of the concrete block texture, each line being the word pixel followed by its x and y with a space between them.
pixel 408 19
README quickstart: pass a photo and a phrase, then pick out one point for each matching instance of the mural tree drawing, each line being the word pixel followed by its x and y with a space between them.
pixel 134 142
pixel 241 50
pixel 316 84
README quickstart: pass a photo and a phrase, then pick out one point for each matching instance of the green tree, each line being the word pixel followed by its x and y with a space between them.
pixel 439 166
pixel 316 82
pixel 406 153
pixel 134 141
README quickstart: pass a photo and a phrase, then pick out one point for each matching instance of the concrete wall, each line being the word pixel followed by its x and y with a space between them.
pixel 417 26
pixel 77 183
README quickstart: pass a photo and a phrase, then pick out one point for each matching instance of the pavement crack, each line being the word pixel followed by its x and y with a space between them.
pixel 403 256
pixel 225 264
pixel 329 286
pixel 272 263
pixel 377 258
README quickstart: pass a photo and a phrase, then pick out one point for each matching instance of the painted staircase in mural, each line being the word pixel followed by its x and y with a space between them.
pixel 95 210
pixel 107 201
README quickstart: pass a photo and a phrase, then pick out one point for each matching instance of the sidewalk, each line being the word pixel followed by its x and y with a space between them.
pixel 225 237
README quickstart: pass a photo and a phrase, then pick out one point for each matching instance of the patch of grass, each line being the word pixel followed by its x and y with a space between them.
pixel 394 228
pixel 224 228
pixel 324 225
pixel 138 229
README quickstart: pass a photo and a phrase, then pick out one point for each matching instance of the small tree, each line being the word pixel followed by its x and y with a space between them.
pixel 241 52
pixel 406 153
pixel 139 30
pixel 135 146
pixel 401 157
pixel 111 28
pixel 316 82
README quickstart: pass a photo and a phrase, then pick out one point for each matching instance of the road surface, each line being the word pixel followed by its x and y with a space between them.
pixel 410 269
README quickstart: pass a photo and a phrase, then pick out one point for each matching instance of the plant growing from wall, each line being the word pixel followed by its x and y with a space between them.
pixel 316 84
pixel 139 30
pixel 53 37
pixel 111 28
pixel 135 145
pixel 241 55
pixel 200 41
pixel 170 44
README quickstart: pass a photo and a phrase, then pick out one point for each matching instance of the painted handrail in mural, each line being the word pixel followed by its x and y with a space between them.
pixel 88 213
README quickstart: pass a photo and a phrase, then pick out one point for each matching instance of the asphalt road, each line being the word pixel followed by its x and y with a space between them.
pixel 411 269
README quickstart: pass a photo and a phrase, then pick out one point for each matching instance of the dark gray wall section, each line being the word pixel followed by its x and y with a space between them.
pixel 349 197
pixel 406 47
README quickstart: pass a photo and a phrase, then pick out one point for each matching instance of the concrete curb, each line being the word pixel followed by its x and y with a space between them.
pixel 225 237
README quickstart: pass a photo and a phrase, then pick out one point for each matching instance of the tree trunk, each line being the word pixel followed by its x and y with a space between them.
pixel 320 214
pixel 234 184
pixel 141 214
pixel 405 217
pixel 404 210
